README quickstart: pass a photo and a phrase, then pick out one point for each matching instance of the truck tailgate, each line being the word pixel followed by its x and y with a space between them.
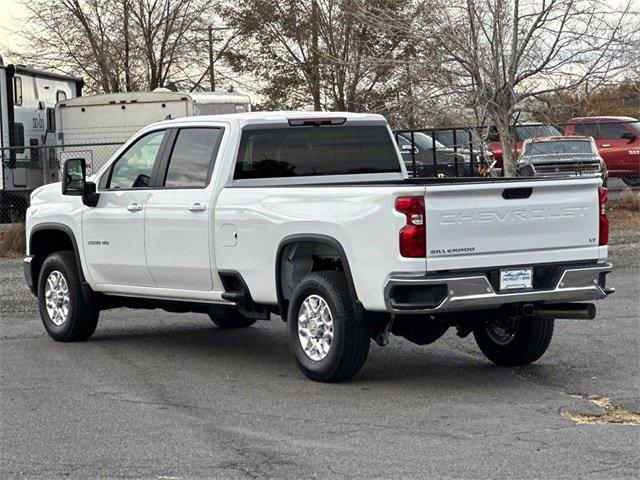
pixel 471 226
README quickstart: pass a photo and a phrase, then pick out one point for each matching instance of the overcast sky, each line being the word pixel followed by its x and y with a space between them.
pixel 9 12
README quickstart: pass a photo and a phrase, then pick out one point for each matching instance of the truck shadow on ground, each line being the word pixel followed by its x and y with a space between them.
pixel 264 346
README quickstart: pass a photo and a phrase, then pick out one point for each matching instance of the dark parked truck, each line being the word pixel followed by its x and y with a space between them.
pixel 562 156
pixel 312 217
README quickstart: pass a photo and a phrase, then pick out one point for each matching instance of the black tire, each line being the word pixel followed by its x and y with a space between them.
pixel 82 317
pixel 231 318
pixel 632 181
pixel 350 345
pixel 530 341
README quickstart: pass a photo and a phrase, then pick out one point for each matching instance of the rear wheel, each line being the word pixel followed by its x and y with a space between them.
pixel 632 181
pixel 65 313
pixel 231 318
pixel 512 342
pixel 327 342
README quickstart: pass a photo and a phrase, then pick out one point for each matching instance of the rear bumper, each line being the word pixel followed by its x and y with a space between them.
pixel 472 291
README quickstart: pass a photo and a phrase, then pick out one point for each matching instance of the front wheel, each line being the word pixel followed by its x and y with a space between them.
pixel 66 315
pixel 324 336
pixel 512 342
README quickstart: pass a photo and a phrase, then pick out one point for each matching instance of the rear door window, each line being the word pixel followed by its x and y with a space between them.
pixel 611 130
pixel 313 151
pixel 601 130
pixel 192 158
pixel 587 130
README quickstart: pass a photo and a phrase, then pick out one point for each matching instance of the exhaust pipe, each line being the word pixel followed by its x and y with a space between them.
pixel 567 311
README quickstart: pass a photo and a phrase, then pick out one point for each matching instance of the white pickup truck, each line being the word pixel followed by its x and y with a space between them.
pixel 312 217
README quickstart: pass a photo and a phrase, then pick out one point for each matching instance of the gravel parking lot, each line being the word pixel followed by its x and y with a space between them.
pixel 159 395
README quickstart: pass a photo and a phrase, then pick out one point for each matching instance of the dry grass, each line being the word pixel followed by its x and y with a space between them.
pixel 12 242
pixel 629 200
pixel 610 414
pixel 624 213
pixel 621 219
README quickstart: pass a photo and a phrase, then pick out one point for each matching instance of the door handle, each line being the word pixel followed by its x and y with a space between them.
pixel 605 145
pixel 134 207
pixel 197 207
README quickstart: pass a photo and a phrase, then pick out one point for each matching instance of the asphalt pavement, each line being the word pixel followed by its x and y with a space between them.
pixel 156 395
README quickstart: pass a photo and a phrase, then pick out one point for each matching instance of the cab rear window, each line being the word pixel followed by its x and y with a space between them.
pixel 313 151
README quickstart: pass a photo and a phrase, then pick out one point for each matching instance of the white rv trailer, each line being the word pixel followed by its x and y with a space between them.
pixel 27 122
pixel 94 126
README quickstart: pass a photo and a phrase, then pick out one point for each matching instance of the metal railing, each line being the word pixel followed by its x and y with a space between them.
pixel 25 168
pixel 445 152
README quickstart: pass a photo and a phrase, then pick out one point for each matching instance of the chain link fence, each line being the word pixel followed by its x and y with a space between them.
pixel 445 152
pixel 594 147
pixel 26 168
pixel 610 149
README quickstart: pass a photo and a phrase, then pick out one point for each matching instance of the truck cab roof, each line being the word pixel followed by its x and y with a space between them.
pixel 283 117
pixel 602 119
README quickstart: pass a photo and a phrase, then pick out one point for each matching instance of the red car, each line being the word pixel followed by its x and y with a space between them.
pixel 618 142
pixel 523 131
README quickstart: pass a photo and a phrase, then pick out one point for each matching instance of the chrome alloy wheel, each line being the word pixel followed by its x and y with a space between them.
pixel 502 331
pixel 315 327
pixel 56 293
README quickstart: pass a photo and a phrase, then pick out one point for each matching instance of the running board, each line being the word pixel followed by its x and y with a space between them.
pixel 235 297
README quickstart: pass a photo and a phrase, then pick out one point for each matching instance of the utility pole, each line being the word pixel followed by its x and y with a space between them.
pixel 315 56
pixel 212 76
pixel 212 60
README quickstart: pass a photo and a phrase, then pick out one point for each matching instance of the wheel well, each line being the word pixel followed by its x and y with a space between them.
pixel 302 257
pixel 43 243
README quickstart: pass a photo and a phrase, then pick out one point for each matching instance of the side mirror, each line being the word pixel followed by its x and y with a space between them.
pixel 526 170
pixel 74 181
pixel 41 105
pixel 627 135
pixel 74 176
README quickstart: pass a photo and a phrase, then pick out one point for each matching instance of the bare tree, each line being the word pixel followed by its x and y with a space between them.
pixel 318 52
pixel 118 45
pixel 495 55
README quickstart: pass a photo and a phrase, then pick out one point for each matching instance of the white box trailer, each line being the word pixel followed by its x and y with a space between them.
pixel 27 123
pixel 94 126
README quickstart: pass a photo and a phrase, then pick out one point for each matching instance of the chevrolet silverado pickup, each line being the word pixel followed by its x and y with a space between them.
pixel 312 217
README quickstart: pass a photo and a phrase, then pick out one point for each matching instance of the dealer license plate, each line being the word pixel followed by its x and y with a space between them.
pixel 516 279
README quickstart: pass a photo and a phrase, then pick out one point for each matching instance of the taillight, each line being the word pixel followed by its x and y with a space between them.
pixel 413 238
pixel 603 196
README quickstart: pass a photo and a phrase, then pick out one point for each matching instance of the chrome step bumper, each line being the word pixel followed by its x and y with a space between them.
pixel 468 291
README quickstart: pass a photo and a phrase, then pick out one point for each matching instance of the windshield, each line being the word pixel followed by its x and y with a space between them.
pixel 422 141
pixel 524 132
pixel 560 147
pixel 463 138
pixel 635 126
